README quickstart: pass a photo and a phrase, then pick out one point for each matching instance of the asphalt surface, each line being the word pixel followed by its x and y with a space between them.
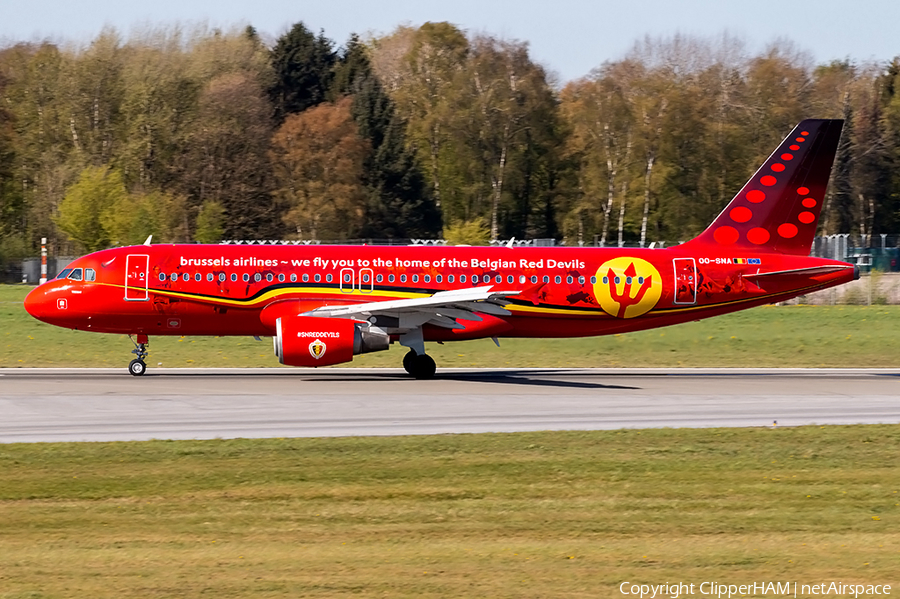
pixel 38 405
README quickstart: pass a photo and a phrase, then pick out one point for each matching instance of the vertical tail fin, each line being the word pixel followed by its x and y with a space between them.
pixel 778 209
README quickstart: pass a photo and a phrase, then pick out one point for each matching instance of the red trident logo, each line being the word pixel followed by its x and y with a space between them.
pixel 627 287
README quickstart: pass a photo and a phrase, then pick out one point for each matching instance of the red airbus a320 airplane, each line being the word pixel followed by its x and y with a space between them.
pixel 325 304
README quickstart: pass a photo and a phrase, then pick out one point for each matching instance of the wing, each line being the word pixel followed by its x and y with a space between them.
pixel 443 309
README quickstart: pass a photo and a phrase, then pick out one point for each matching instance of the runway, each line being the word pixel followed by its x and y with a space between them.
pixel 42 405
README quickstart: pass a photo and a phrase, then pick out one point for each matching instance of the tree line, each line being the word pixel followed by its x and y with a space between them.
pixel 201 135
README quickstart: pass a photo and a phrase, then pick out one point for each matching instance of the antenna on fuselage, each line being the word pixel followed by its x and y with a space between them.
pixel 148 239
pixel 512 240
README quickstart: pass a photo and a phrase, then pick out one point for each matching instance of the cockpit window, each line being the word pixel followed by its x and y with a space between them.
pixel 64 273
pixel 76 274
pixel 90 274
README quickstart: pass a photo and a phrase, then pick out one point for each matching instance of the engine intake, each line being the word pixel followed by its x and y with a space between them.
pixel 311 341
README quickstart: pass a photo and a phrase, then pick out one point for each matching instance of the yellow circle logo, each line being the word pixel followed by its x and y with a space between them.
pixel 627 287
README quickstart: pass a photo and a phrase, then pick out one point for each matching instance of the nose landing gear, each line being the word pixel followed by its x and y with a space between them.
pixel 138 367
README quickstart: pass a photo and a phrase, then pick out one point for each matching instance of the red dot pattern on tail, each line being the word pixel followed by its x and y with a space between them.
pixel 787 230
pixel 758 235
pixel 741 214
pixel 756 196
pixel 728 235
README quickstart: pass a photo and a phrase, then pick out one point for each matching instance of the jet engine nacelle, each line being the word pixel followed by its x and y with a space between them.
pixel 312 341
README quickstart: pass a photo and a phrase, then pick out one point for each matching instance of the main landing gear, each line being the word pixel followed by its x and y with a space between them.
pixel 138 367
pixel 421 366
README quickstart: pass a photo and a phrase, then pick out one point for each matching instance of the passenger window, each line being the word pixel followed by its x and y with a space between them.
pixel 427 278
pixel 546 279
pixel 379 278
pixel 185 277
pixel 558 279
pixel 510 279
pixel 450 278
pixel 305 278
pixel 257 277
pixel 174 277
pixel 569 279
pixel 438 279
pixel 462 278
pixel 402 278
pixel 76 274
pixel 521 278
pixel 593 280
pixel 346 277
pixel 390 278
pixel 209 277
pixel 64 273
pixel 328 278
pixel 534 278
pixel 415 278
pixel 221 277
pixel 281 278
pixel 233 277
pixel 90 274
pixel 318 278
pixel 498 279
pixel 581 280
pixel 246 277
pixel 162 277
pixel 269 277
pixel 198 277
pixel 365 278
pixel 293 277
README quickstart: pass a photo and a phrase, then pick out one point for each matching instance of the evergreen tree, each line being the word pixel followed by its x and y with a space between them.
pixel 399 204
pixel 303 65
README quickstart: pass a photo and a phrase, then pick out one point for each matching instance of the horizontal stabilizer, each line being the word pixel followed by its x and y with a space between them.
pixel 803 272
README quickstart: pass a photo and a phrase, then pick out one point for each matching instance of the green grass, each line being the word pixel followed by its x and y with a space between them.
pixel 562 514
pixel 771 336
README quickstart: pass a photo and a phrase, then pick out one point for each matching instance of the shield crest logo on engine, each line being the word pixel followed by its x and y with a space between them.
pixel 317 349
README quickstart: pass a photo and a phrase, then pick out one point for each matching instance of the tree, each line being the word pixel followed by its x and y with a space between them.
pixel 510 111
pixel 303 73
pixel 210 222
pixel 132 218
pixel 318 157
pixel 86 204
pixel 399 205
pixel 226 157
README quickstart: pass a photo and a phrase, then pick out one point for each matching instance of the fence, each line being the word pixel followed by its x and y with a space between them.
pixel 869 252
pixel 31 269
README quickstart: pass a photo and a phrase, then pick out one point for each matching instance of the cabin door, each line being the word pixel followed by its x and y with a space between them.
pixel 685 280
pixel 137 275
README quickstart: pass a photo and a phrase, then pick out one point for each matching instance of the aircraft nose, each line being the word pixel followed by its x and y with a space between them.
pixel 35 302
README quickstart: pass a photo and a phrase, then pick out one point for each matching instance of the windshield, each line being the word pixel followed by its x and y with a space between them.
pixel 64 273
pixel 76 274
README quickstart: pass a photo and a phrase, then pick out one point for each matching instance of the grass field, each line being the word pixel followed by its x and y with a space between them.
pixel 558 514
pixel 772 336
